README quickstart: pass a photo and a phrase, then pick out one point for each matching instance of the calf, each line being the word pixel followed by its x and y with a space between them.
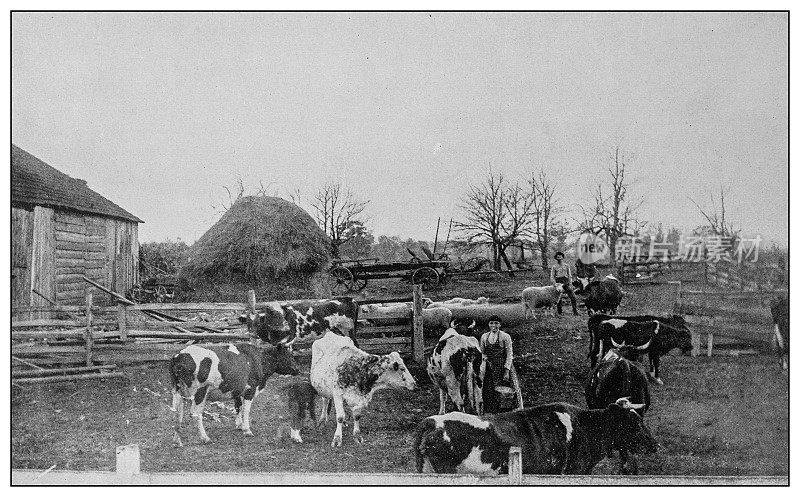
pixel 455 365
pixel 555 439
pixel 343 373
pixel 305 320
pixel 616 377
pixel 780 317
pixel 239 371
pixel 300 403
pixel 673 334
pixel 534 297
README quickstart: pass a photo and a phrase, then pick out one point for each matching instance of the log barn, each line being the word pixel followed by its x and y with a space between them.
pixel 61 230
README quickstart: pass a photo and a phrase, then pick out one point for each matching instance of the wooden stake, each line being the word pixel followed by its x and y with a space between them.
pixel 110 292
pixel 251 309
pixel 88 334
pixel 710 344
pixel 418 343
pixel 51 372
pixel 515 466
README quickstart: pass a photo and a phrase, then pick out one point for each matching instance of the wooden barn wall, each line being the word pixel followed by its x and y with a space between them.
pixel 21 256
pixel 43 264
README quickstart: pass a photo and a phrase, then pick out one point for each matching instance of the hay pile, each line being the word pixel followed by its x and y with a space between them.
pixel 260 240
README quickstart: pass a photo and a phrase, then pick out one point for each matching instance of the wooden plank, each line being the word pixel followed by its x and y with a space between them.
pixel 78 332
pixel 70 217
pixel 418 337
pixel 43 256
pixel 69 287
pixel 202 306
pixel 70 228
pixel 76 237
pixel 50 308
pixel 379 342
pixel 18 373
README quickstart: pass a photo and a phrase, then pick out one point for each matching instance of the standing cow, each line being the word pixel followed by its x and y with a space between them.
pixel 673 333
pixel 455 366
pixel 343 373
pixel 616 377
pixel 555 439
pixel 304 321
pixel 780 317
pixel 239 371
pixel 600 296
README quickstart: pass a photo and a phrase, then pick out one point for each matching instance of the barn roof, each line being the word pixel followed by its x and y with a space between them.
pixel 34 182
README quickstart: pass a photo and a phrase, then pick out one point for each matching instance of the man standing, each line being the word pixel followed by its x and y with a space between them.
pixel 561 273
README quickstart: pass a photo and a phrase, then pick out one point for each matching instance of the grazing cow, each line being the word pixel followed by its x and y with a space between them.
pixel 555 439
pixel 534 297
pixel 239 371
pixel 304 321
pixel 673 334
pixel 780 317
pixel 603 296
pixel 300 403
pixel 455 366
pixel 344 373
pixel 616 377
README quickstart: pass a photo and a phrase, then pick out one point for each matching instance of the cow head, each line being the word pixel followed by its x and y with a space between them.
pixel 268 324
pixel 281 359
pixel 580 285
pixel 395 373
pixel 559 287
pixel 627 428
pixel 463 326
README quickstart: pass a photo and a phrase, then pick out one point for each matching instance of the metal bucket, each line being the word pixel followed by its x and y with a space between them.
pixel 506 397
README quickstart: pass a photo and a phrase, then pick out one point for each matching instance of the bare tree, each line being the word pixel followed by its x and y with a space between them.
pixel 614 213
pixel 545 210
pixel 336 208
pixel 716 216
pixel 497 214
pixel 236 192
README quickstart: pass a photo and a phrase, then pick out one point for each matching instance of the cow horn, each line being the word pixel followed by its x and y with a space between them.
pixel 472 325
pixel 288 342
pixel 617 345
pixel 452 323
pixel 644 347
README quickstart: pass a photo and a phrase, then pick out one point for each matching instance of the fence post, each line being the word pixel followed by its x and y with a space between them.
pixel 122 317
pixel 515 466
pixel 676 308
pixel 128 461
pixel 418 341
pixel 251 309
pixel 88 333
pixel 710 343
pixel 705 271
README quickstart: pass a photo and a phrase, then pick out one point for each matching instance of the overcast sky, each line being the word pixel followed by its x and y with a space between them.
pixel 159 111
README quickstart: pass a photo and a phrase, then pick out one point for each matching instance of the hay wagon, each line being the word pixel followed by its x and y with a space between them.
pixel 353 274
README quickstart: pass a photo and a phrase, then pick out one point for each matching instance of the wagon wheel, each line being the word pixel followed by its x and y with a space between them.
pixel 425 276
pixel 359 285
pixel 161 294
pixel 343 279
pixel 136 295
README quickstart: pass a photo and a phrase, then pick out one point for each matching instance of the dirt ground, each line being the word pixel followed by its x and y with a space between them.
pixel 722 415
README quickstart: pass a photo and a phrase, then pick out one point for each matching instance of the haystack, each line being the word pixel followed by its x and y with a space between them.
pixel 260 240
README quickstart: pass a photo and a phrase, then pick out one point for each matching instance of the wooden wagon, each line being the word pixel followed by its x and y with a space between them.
pixel 353 274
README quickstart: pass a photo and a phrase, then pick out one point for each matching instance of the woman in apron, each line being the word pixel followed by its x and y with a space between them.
pixel 498 355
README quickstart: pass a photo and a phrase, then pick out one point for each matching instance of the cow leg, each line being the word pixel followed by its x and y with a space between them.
pixel 338 403
pixel 198 406
pixel 357 423
pixel 442 400
pixel 454 390
pixel 654 374
pixel 237 403
pixel 628 464
pixel 177 406
pixel 249 395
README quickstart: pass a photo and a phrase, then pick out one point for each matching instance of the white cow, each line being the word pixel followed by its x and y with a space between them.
pixel 344 373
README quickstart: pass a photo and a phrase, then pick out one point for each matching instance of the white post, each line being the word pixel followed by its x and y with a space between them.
pixel 128 462
pixel 515 466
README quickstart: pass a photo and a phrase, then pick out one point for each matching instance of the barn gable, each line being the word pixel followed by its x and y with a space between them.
pixel 62 231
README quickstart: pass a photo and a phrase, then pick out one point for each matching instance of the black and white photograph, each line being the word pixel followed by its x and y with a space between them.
pixel 399 248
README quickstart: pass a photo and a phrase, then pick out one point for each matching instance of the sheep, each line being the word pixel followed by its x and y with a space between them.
pixel 436 318
pixel 541 296
pixel 460 302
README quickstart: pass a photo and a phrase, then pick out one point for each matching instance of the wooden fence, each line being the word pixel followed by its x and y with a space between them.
pixel 740 317
pixel 102 337
pixel 128 472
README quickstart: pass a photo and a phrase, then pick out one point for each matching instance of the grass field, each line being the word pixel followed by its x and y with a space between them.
pixel 721 415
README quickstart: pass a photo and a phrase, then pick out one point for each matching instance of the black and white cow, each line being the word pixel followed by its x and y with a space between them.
pixel 780 317
pixel 616 377
pixel 304 321
pixel 635 336
pixel 672 334
pixel 555 439
pixel 238 372
pixel 344 373
pixel 455 366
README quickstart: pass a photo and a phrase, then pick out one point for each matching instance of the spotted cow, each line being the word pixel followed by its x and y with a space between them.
pixel 455 366
pixel 555 439
pixel 344 373
pixel 304 321
pixel 238 372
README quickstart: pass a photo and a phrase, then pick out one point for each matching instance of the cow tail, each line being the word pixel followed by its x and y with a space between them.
pixel 470 377
pixel 180 375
